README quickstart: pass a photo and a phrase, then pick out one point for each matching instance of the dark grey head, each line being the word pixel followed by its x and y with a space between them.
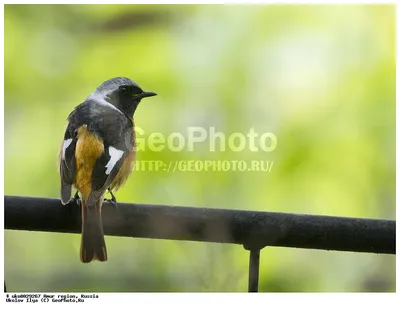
pixel 121 92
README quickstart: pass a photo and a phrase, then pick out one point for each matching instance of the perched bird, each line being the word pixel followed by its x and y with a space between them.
pixel 97 154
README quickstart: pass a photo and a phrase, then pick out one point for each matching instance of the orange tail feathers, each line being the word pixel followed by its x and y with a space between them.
pixel 93 246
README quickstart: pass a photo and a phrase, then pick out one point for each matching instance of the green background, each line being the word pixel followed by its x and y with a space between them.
pixel 320 77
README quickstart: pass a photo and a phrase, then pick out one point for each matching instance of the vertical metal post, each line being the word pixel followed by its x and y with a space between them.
pixel 254 267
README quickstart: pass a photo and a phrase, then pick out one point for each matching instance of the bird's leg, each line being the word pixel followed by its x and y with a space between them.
pixel 112 200
pixel 76 199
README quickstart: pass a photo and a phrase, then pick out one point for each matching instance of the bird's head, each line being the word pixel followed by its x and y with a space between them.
pixel 123 93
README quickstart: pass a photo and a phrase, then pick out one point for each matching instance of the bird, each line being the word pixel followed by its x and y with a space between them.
pixel 97 155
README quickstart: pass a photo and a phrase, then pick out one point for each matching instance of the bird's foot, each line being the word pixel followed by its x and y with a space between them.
pixel 76 199
pixel 73 202
pixel 112 200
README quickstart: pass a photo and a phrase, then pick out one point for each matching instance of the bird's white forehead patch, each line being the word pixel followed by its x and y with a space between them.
pixel 115 156
pixel 66 144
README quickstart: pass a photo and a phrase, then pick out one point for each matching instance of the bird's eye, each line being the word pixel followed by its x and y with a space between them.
pixel 124 89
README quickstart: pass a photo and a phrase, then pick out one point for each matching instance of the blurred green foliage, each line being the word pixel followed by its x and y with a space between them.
pixel 320 77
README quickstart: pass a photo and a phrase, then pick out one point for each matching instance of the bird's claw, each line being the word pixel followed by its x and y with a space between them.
pixel 112 200
pixel 76 199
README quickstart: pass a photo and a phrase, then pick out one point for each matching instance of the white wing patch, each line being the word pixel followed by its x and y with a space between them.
pixel 66 144
pixel 115 156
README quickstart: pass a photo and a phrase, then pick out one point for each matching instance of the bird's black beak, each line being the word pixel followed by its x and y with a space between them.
pixel 145 94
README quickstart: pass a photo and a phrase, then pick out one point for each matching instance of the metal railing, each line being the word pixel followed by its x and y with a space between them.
pixel 252 229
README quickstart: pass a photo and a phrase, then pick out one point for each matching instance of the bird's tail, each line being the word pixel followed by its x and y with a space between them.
pixel 93 246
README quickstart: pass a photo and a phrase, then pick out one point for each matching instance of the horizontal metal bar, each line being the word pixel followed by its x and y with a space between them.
pixel 253 229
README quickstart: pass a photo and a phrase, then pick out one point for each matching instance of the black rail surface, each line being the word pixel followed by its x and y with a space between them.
pixel 253 229
pixel 250 228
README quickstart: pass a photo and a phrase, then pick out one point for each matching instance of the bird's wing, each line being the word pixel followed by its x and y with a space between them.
pixel 115 131
pixel 66 163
